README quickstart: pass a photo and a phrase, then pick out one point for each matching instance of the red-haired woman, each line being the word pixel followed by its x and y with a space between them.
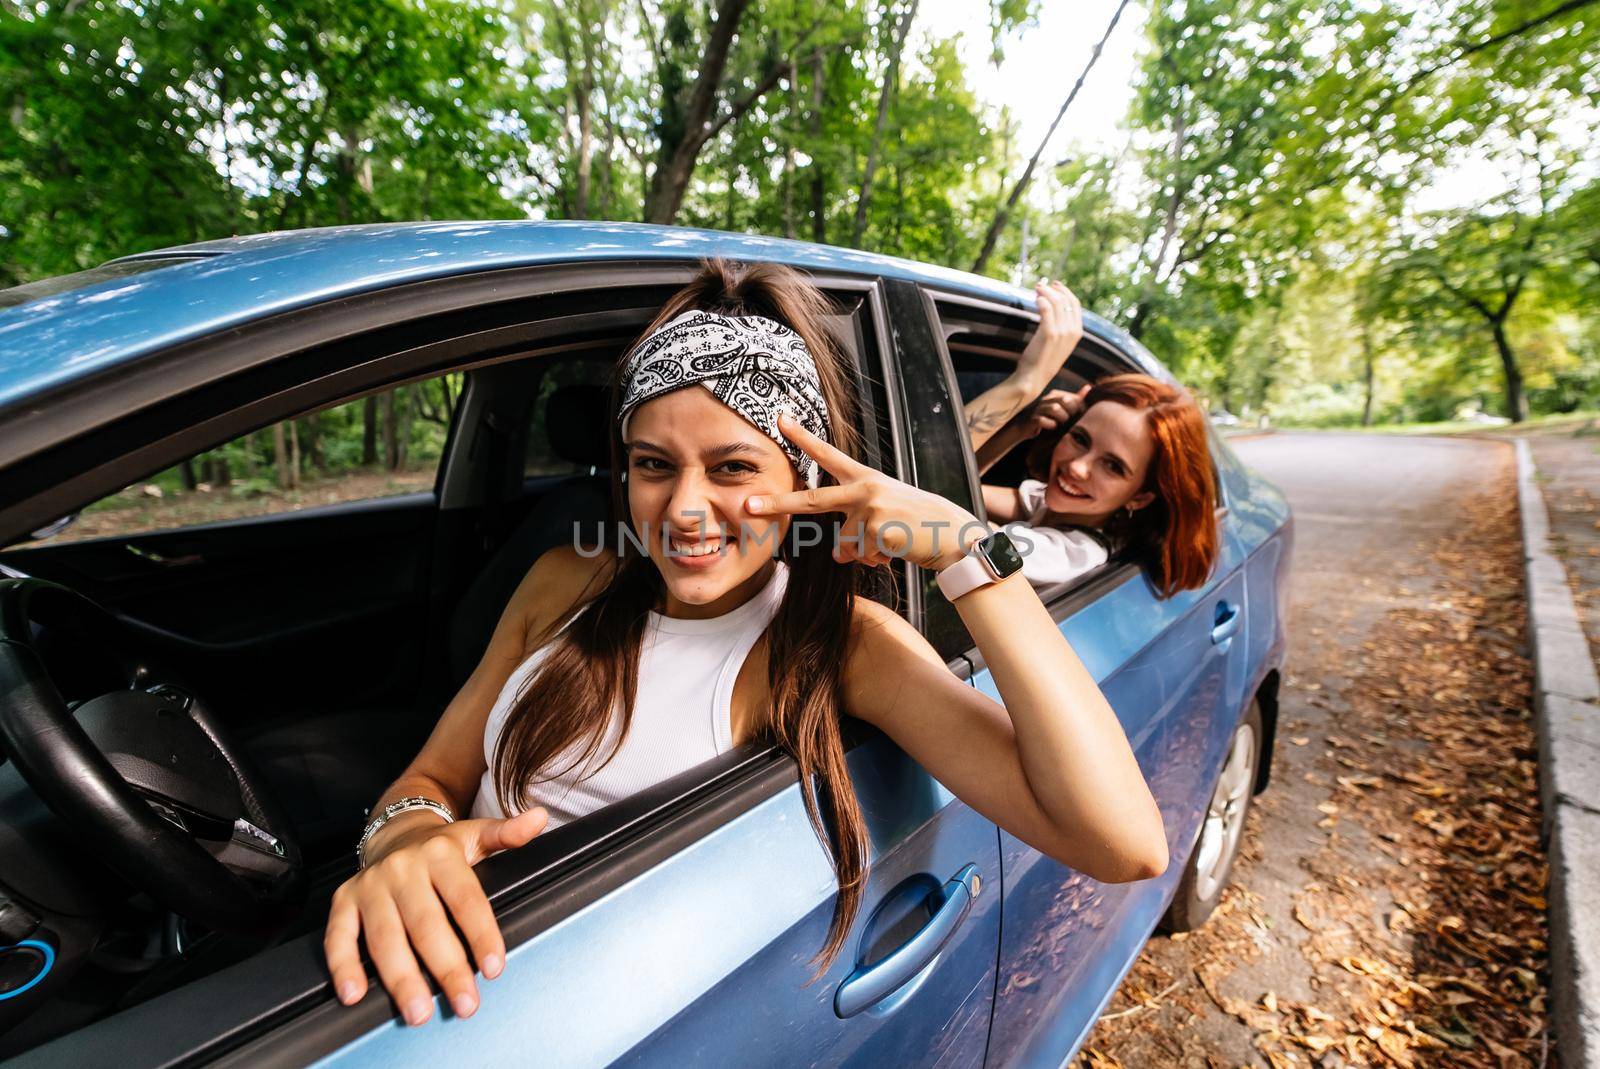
pixel 1122 465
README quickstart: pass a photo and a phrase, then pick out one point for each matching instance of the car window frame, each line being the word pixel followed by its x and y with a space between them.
pixel 553 878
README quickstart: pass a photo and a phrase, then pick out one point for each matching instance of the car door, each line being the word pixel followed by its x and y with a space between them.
pixel 705 955
pixel 1173 673
pixel 236 576
pixel 678 927
pixel 1069 938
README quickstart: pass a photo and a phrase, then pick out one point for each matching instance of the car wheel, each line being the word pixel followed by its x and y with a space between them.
pixel 1221 832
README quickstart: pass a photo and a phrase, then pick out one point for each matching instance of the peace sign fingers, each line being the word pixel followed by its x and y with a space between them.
pixel 821 499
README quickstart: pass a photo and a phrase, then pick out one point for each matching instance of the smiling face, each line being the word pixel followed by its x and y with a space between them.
pixel 692 462
pixel 1100 464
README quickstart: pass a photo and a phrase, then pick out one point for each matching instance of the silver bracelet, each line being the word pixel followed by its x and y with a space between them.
pixel 394 809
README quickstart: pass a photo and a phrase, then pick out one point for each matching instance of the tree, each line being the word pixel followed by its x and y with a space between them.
pixel 1478 262
pixel 690 112
pixel 1022 183
pixel 900 28
pixel 1224 83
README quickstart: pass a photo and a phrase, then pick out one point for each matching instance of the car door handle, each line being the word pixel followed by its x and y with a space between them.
pixel 1227 623
pixel 869 985
pixel 161 559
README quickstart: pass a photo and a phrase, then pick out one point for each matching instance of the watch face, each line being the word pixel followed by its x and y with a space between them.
pixel 1001 554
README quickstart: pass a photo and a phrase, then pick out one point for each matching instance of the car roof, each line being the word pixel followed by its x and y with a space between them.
pixel 213 286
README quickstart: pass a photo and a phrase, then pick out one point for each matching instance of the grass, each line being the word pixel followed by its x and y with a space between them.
pixel 1558 421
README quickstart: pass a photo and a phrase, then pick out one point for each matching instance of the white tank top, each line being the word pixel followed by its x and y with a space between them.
pixel 681 718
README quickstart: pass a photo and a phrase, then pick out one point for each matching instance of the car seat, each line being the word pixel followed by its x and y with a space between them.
pixel 329 768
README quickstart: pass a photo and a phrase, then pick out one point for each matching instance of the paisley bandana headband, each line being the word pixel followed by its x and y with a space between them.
pixel 756 366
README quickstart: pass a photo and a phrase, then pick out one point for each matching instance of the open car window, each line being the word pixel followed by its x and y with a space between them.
pixel 985 341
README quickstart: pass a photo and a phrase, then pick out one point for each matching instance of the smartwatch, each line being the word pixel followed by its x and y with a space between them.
pixel 988 560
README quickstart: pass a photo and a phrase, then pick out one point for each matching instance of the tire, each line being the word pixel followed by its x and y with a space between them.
pixel 1210 864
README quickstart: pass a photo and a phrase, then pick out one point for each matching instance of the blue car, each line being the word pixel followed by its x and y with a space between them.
pixel 208 673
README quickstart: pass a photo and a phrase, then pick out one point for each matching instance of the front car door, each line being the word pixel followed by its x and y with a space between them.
pixel 679 926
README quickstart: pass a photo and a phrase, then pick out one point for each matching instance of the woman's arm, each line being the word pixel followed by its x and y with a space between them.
pixel 418 876
pixel 1002 503
pixel 1052 766
pixel 1002 442
pixel 451 764
pixel 1060 328
pixel 1044 414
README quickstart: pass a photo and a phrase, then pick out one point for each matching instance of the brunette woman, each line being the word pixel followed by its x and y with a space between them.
pixel 732 427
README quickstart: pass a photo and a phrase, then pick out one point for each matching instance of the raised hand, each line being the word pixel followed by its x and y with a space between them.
pixel 1053 409
pixel 885 519
pixel 400 901
pixel 1060 328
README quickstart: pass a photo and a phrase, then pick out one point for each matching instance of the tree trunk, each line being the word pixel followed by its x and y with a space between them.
pixel 1516 403
pixel 217 474
pixel 252 464
pixel 310 434
pixel 186 470
pixel 1136 322
pixel 582 94
pixel 891 84
pixel 788 153
pixel 819 191
pixel 1004 213
pixel 369 431
pixel 607 182
pixel 580 207
pixel 1169 228
pixel 391 431
pixel 294 454
pixel 683 130
pixel 349 165
pixel 1368 362
pixel 280 456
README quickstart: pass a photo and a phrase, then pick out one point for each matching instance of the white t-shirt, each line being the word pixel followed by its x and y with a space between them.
pixel 682 714
pixel 1057 554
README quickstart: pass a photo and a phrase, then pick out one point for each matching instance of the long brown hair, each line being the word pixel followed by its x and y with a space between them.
pixel 592 666
pixel 1177 532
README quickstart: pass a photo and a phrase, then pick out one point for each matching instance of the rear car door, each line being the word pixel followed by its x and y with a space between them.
pixel 1170 670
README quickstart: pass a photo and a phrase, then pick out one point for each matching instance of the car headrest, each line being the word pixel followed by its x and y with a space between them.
pixel 575 419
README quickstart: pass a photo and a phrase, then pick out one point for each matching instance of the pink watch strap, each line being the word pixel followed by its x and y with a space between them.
pixel 964 576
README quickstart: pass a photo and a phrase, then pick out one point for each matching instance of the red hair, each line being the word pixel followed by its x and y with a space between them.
pixel 1178 530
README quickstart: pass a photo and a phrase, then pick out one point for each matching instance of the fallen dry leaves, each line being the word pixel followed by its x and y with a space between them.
pixel 1420 919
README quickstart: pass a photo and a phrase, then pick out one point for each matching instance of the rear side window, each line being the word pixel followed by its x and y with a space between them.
pixel 985 343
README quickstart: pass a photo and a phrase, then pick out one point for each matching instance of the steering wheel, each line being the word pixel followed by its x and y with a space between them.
pixel 146 776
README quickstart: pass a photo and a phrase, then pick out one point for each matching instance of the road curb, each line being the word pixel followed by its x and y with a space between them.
pixel 1566 710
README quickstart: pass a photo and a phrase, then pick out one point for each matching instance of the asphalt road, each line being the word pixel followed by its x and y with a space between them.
pixel 1372 514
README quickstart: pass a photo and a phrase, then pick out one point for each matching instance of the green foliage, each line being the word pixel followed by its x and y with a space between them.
pixel 1266 230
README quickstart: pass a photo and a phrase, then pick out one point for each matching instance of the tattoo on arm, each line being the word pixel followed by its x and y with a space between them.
pixel 985 418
